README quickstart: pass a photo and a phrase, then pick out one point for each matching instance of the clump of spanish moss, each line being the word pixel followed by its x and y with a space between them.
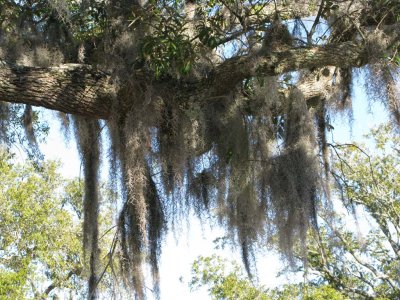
pixel 28 124
pixel 20 124
pixel 4 113
pixel 30 51
pixel 382 86
pixel 87 133
pixel 141 221
pixel 40 56
pixel 226 162
pixel 62 9
pixel 294 177
pixel 65 122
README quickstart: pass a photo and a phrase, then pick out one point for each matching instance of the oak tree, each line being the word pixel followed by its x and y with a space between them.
pixel 211 105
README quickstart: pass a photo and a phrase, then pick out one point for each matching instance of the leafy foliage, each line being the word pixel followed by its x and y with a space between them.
pixel 41 233
pixel 227 281
pixel 363 265
pixel 39 240
pixel 234 285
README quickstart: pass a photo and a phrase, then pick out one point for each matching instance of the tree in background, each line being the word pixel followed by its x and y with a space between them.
pixel 363 265
pixel 212 105
pixel 40 224
pixel 224 284
pixel 226 280
pixel 342 262
pixel 32 221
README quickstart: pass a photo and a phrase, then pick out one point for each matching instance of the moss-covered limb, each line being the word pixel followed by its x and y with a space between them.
pixel 79 89
pixel 70 88
pixel 229 73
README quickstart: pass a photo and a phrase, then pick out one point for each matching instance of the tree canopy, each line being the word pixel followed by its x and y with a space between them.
pixel 41 216
pixel 33 218
pixel 227 281
pixel 213 105
pixel 362 265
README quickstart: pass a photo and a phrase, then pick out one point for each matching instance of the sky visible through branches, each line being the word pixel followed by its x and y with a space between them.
pixel 183 248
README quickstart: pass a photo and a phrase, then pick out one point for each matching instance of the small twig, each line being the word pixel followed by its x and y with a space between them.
pixel 316 22
pixel 107 231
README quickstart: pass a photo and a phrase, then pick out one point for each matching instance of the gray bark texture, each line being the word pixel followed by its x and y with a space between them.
pixel 70 88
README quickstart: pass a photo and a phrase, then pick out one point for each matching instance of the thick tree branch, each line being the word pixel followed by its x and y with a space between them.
pixel 70 88
pixel 78 89
pixel 231 72
pixel 348 54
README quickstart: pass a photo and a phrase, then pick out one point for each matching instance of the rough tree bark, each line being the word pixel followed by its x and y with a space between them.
pixel 70 88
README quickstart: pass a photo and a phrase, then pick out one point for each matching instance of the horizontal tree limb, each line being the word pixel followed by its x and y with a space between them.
pixel 229 73
pixel 70 88
pixel 82 90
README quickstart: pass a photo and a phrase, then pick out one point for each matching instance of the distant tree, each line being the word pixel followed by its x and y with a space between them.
pixel 223 284
pixel 40 225
pixel 40 243
pixel 212 105
pixel 227 281
pixel 363 265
